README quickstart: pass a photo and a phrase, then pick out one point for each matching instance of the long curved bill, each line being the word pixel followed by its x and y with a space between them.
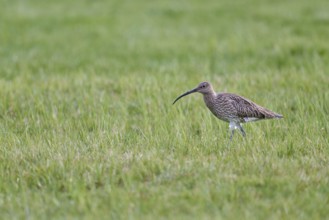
pixel 185 94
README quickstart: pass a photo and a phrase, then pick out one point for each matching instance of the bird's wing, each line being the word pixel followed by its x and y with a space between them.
pixel 248 110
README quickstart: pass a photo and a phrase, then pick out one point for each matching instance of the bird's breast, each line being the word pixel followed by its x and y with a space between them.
pixel 216 107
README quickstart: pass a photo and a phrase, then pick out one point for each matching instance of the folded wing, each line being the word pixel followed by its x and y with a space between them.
pixel 249 111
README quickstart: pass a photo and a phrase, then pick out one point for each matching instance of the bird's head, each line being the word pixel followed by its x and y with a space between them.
pixel 204 88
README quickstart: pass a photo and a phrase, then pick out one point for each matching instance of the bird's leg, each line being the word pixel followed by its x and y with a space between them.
pixel 232 133
pixel 232 127
pixel 242 131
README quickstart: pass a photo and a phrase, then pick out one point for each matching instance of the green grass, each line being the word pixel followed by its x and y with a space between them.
pixel 87 126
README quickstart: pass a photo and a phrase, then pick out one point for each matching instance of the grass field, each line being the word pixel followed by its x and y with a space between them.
pixel 88 129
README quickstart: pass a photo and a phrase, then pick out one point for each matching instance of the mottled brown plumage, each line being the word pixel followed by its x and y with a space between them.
pixel 231 108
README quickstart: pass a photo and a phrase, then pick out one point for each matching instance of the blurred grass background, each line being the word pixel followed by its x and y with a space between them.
pixel 88 129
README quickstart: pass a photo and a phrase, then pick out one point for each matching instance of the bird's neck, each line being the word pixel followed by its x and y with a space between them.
pixel 209 97
pixel 210 100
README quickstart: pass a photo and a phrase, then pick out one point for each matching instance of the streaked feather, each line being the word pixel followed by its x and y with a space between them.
pixel 229 106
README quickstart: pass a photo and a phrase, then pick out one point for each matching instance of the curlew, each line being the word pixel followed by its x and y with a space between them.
pixel 231 108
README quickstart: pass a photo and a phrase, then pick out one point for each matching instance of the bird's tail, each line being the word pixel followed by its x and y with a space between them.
pixel 270 114
pixel 278 115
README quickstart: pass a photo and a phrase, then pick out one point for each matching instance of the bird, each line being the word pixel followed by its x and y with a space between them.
pixel 231 108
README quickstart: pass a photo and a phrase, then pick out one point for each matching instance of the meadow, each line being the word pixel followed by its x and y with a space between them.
pixel 88 129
